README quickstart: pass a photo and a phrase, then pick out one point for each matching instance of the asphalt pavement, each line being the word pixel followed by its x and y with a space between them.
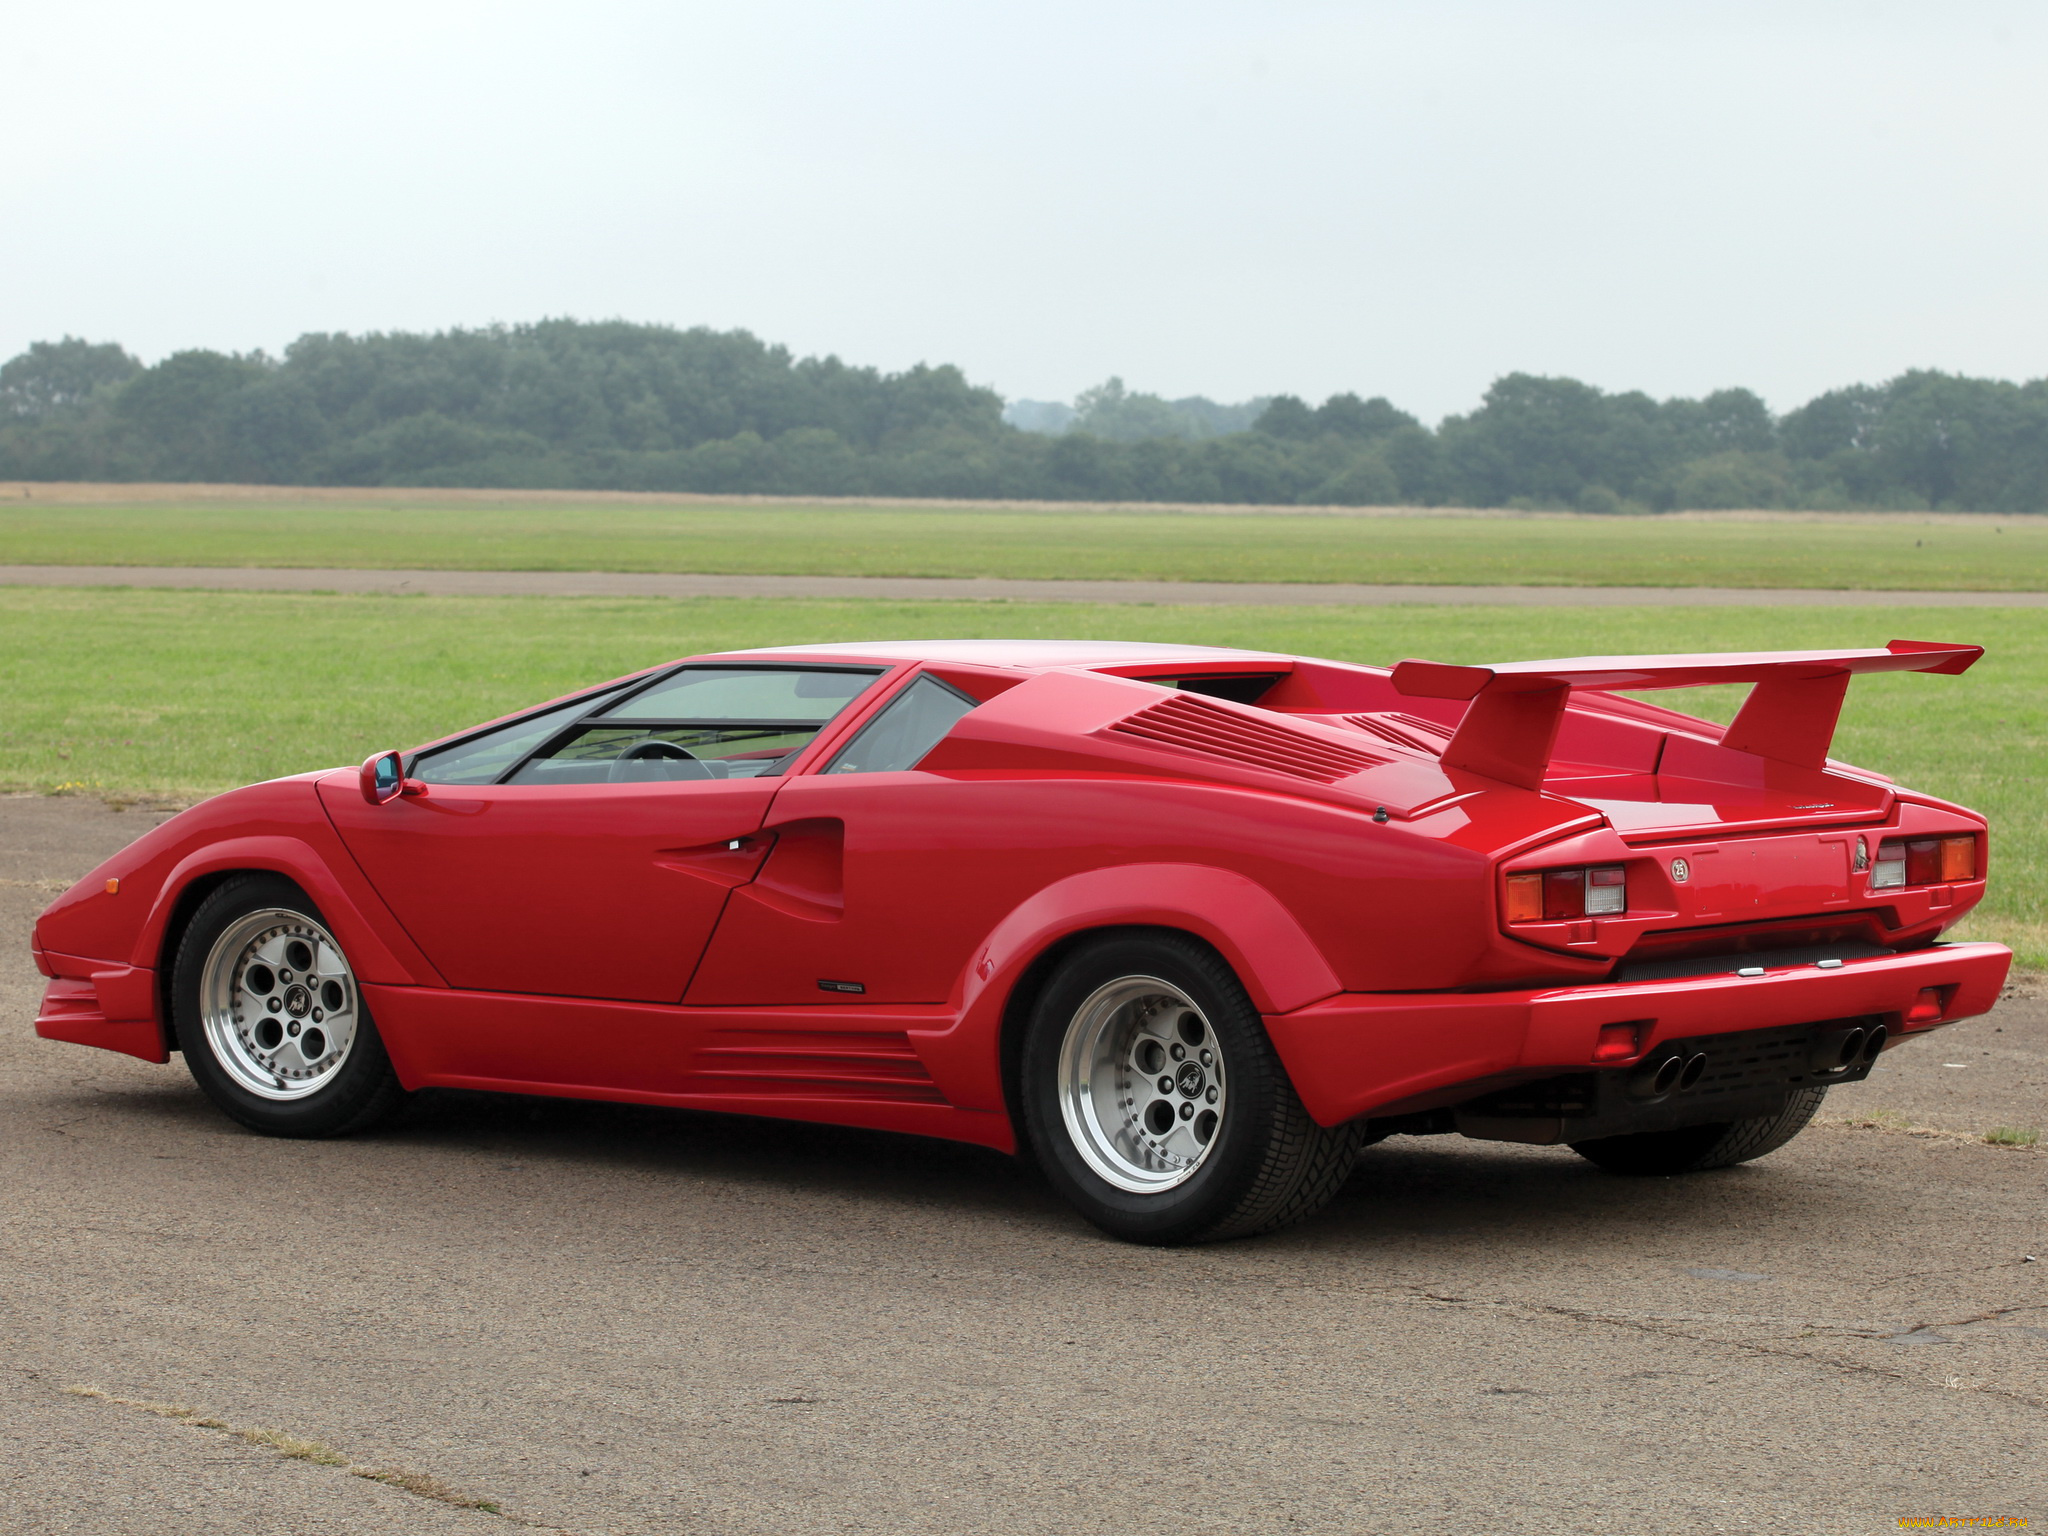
pixel 611 1319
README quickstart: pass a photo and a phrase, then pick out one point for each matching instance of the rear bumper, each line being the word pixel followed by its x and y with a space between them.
pixel 1396 1052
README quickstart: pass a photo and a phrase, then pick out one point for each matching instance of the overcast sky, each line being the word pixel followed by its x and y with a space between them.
pixel 1204 197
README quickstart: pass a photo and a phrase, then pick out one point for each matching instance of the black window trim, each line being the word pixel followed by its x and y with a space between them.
pixel 611 695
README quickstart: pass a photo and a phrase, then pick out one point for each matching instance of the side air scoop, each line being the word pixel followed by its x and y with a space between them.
pixel 1789 717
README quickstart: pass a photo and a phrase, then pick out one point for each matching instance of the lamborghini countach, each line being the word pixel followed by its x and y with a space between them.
pixel 1188 927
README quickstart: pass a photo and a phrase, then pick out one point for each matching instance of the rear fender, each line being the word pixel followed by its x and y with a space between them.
pixel 1257 936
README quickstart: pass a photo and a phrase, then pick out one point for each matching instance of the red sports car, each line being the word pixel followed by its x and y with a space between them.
pixel 1190 926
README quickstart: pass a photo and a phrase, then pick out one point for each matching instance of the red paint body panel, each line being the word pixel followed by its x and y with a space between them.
pixel 663 942
pixel 593 890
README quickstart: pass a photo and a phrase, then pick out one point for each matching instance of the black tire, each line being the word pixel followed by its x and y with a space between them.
pixel 352 1095
pixel 1696 1148
pixel 1264 1164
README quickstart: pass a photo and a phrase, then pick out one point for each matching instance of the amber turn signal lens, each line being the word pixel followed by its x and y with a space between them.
pixel 113 887
pixel 1525 898
pixel 1959 858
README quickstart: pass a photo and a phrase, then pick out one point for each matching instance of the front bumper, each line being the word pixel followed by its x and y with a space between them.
pixel 1388 1053
pixel 101 1003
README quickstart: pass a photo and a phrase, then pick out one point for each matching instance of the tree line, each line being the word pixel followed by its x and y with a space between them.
pixel 618 406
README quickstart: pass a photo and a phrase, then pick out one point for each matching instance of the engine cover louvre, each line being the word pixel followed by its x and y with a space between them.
pixel 1191 723
pixel 813 1064
pixel 1403 730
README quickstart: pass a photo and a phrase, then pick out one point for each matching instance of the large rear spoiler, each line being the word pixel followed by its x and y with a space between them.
pixel 1789 716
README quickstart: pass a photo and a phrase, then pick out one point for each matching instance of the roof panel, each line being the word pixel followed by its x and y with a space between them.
pixel 1026 654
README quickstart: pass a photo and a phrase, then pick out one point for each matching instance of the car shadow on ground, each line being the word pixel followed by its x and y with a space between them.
pixel 1440 1190
pixel 1443 1195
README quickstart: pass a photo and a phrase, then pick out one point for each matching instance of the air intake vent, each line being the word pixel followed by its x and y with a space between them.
pixel 1410 731
pixel 1194 724
pixel 813 1064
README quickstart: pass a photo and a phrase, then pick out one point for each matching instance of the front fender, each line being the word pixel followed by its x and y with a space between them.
pixel 1272 955
pixel 373 959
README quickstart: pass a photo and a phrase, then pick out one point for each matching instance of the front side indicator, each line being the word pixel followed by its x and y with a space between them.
pixel 1558 895
pixel 1903 861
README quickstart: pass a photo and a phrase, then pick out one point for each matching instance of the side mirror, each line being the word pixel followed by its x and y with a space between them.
pixel 383 778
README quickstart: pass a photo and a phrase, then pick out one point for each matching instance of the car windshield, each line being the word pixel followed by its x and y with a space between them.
pixel 699 723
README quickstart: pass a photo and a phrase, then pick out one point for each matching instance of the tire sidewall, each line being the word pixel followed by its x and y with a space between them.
pixel 1189 1209
pixel 349 1098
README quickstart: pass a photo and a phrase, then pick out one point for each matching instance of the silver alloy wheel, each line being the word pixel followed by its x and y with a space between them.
pixel 279 1004
pixel 1141 1084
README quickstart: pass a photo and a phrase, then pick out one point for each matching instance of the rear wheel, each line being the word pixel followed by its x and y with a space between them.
pixel 269 1017
pixel 1155 1103
pixel 1696 1148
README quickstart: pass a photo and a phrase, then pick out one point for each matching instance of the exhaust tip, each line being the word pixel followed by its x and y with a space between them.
pixel 1668 1071
pixel 1852 1048
pixel 1693 1071
pixel 1873 1043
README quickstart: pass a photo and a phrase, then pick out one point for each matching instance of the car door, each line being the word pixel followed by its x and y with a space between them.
pixel 588 851
pixel 883 878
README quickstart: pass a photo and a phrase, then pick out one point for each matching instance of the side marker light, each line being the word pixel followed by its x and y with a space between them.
pixel 113 887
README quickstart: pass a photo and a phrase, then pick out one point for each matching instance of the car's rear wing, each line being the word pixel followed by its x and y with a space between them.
pixel 1789 716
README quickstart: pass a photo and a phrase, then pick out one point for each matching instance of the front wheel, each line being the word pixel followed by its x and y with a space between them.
pixel 1155 1103
pixel 1696 1148
pixel 272 1025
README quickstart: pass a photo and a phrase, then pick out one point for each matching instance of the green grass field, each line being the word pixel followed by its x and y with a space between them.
pixel 796 540
pixel 184 693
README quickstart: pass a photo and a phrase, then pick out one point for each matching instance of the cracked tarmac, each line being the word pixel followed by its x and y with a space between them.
pixel 612 1319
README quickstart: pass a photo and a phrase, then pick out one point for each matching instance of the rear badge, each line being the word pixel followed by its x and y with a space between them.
pixel 1680 871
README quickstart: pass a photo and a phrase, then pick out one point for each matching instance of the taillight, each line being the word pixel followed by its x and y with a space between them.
pixel 1923 861
pixel 1558 895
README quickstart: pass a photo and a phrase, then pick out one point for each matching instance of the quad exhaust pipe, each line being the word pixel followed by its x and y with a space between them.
pixel 1841 1050
pixel 1666 1074
pixel 1836 1051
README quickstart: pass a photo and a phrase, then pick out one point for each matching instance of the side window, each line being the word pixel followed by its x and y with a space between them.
pixel 909 726
pixel 484 759
pixel 707 722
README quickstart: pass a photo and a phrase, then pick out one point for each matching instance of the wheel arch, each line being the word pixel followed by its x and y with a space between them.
pixel 183 903
pixel 1246 925
pixel 1031 983
pixel 201 873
